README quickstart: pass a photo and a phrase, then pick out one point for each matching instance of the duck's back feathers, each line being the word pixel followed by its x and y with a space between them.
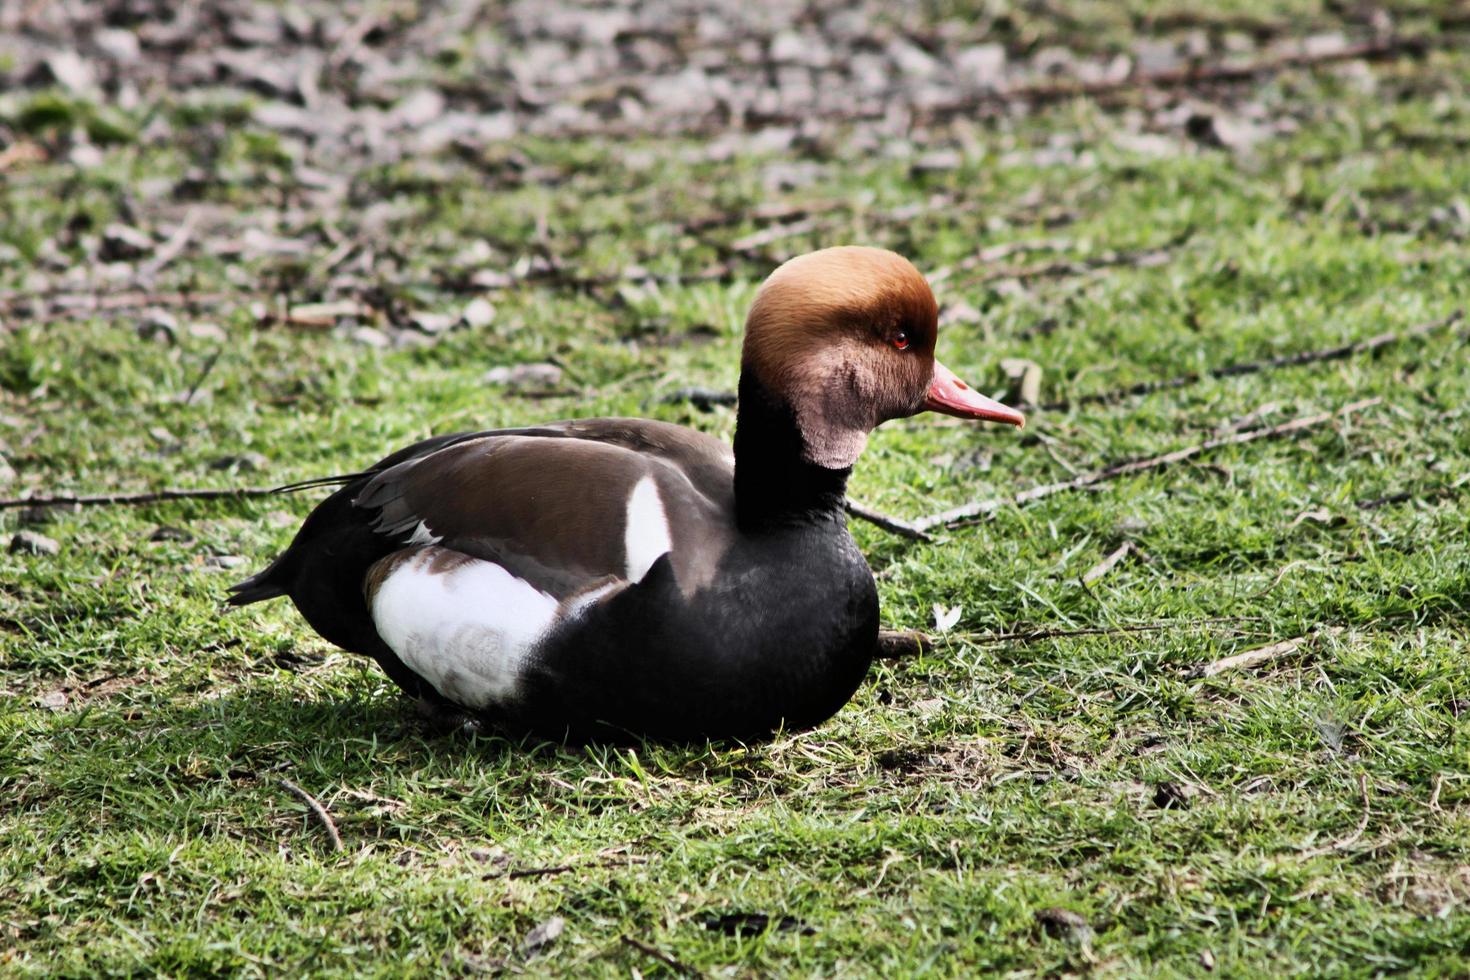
pixel 562 505
pixel 483 542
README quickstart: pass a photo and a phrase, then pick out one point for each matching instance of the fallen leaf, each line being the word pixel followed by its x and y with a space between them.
pixel 543 935
pixel 1023 381
pixel 31 543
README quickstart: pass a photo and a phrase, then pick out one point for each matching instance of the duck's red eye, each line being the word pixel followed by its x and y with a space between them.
pixel 900 340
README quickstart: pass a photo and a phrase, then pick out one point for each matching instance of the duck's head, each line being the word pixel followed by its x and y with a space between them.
pixel 844 338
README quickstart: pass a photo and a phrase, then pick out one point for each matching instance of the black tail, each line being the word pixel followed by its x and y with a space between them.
pixel 266 584
pixel 256 588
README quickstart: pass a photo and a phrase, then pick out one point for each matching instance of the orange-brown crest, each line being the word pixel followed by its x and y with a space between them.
pixel 846 337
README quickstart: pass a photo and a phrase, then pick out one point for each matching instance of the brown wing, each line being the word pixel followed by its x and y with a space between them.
pixel 551 504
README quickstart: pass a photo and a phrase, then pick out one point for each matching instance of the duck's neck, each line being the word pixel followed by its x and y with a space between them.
pixel 774 484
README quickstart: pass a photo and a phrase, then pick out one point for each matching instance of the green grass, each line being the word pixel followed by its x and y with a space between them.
pixel 919 832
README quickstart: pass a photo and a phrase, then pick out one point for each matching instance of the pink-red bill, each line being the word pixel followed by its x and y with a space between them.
pixel 951 396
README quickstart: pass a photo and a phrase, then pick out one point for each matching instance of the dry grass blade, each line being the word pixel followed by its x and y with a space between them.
pixel 1357 834
pixel 1109 563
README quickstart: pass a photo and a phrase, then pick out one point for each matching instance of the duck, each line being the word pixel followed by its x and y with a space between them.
pixel 626 578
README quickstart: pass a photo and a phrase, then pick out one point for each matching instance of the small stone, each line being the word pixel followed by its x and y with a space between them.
pixel 938 162
pixel 85 156
pixel 31 543
pixel 71 71
pixel 207 331
pixel 167 533
pixel 491 855
pixel 371 337
pixel 418 109
pixel 52 700
pixel 119 45
pixel 431 323
pixel 160 326
pixel 1064 923
pixel 983 65
pixel 223 562
pixel 478 312
pixel 124 243
pixel 521 376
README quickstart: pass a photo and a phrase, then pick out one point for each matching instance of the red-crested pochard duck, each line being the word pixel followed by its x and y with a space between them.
pixel 616 577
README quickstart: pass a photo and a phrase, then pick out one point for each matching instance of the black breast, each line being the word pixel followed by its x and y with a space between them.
pixel 781 638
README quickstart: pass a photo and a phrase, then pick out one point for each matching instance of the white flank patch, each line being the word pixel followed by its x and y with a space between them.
pixel 467 631
pixel 647 534
pixel 422 535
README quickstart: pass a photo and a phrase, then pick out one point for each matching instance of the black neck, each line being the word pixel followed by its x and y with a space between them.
pixel 773 483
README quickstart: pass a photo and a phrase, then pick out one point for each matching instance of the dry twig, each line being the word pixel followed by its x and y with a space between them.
pixel 150 497
pixel 1255 367
pixel 318 811
pixel 1259 655
pixel 897 644
pixel 659 955
pixel 891 524
pixel 982 508
pixel 1194 75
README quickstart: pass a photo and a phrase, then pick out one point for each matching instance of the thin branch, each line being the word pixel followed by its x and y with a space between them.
pixel 982 508
pixel 1260 655
pixel 659 955
pixel 203 373
pixel 151 497
pixel 1141 258
pixel 1402 496
pixel 701 398
pixel 316 810
pixel 541 872
pixel 893 525
pixel 896 644
pixel 899 644
pixel 1194 75
pixel 1255 367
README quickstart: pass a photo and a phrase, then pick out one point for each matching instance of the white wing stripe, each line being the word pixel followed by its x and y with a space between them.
pixel 647 535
